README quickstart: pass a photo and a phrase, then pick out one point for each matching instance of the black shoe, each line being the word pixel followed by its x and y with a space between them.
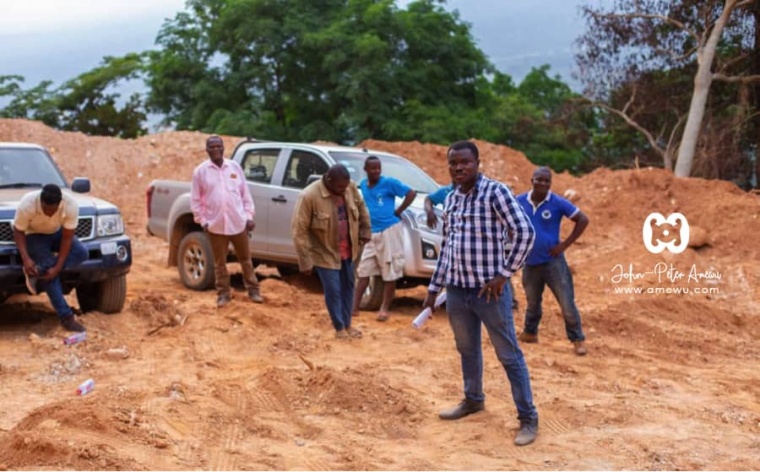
pixel 528 432
pixel 31 283
pixel 71 324
pixel 465 407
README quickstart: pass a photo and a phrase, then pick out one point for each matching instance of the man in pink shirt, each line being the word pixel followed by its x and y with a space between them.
pixel 222 205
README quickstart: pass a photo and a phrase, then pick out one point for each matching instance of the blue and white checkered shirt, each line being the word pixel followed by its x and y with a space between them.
pixel 475 227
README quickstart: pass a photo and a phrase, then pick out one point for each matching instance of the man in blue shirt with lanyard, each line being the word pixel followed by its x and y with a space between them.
pixel 474 267
pixel 546 264
pixel 383 255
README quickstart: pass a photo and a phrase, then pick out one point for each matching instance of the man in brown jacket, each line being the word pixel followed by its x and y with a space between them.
pixel 330 225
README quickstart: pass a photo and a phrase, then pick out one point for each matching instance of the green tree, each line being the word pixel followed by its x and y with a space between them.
pixel 341 70
pixel 87 106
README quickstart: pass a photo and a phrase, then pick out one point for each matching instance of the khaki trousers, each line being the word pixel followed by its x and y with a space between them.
pixel 219 245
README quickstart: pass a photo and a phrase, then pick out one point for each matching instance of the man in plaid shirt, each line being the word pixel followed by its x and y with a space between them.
pixel 474 268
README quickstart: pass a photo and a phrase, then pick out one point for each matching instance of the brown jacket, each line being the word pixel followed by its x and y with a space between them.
pixel 315 226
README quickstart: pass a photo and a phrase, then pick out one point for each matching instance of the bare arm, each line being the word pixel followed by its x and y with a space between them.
pixel 408 199
pixel 20 238
pixel 67 235
pixel 581 222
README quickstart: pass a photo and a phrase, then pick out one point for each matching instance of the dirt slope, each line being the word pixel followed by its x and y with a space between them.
pixel 671 381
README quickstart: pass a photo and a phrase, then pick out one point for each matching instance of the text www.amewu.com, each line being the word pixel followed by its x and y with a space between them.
pixel 668 290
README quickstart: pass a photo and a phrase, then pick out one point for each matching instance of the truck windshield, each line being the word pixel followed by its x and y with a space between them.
pixel 27 167
pixel 393 166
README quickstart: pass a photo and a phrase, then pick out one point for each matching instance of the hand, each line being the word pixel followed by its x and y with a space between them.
pixel 430 301
pixel 363 240
pixel 249 225
pixel 30 268
pixel 432 220
pixel 306 272
pixel 558 249
pixel 397 213
pixel 493 287
pixel 50 274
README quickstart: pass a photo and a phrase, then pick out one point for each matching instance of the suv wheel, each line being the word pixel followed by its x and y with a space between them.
pixel 106 297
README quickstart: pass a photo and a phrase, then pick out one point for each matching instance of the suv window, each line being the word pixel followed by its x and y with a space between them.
pixel 301 165
pixel 258 164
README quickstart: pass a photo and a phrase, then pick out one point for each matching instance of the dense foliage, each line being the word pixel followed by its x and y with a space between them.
pixel 347 70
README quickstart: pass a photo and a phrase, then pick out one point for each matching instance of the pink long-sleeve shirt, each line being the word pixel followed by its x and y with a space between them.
pixel 220 197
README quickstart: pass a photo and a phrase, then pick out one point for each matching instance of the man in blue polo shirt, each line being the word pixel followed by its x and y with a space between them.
pixel 383 255
pixel 546 264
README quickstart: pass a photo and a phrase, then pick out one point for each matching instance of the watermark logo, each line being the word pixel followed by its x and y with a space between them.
pixel 671 233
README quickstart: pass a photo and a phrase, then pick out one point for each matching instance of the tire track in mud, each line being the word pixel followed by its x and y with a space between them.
pixel 225 458
pixel 557 426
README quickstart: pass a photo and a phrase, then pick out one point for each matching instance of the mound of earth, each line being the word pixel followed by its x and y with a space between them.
pixel 670 382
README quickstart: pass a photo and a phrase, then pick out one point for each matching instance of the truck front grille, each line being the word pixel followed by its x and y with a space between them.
pixel 85 230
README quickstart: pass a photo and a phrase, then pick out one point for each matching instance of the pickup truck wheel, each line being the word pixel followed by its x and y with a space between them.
pixel 372 298
pixel 195 261
pixel 106 297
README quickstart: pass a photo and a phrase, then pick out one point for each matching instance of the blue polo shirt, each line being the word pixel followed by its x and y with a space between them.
pixel 381 201
pixel 546 218
pixel 439 196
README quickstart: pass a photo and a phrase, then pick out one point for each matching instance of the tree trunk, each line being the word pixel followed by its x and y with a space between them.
pixel 702 82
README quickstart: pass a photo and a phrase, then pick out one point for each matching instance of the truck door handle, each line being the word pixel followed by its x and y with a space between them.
pixel 280 198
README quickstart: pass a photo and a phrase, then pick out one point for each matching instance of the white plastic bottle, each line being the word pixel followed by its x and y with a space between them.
pixel 86 387
pixel 425 314
pixel 75 338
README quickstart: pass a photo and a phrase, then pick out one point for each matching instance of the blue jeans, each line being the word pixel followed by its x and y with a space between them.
pixel 466 313
pixel 41 248
pixel 339 293
pixel 555 274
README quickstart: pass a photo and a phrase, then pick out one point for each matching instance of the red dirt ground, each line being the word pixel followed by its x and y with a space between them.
pixel 671 381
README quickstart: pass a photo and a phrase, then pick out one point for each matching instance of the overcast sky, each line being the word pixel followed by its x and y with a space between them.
pixel 60 39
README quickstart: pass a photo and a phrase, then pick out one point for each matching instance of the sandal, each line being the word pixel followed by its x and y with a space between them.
pixel 382 316
pixel 354 333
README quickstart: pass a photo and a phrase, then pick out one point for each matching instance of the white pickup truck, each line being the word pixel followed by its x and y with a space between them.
pixel 276 174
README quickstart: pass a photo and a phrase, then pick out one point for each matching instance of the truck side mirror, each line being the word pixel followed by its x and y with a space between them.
pixel 80 185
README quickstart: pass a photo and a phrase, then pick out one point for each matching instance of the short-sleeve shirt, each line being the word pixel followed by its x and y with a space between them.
pixel 344 238
pixel 546 218
pixel 31 219
pixel 439 196
pixel 381 201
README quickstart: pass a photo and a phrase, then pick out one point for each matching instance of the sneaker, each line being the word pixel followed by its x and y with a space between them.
pixel 528 432
pixel 354 333
pixel 71 324
pixel 465 407
pixel 255 297
pixel 223 300
pixel 528 338
pixel 342 334
pixel 31 283
pixel 580 348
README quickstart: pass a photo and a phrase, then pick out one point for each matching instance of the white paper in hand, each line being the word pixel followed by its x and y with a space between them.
pixel 425 314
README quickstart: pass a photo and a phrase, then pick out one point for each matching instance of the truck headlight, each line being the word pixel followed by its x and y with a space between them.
pixel 110 225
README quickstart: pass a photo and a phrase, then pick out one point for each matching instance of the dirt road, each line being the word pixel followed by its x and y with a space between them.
pixel 671 381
